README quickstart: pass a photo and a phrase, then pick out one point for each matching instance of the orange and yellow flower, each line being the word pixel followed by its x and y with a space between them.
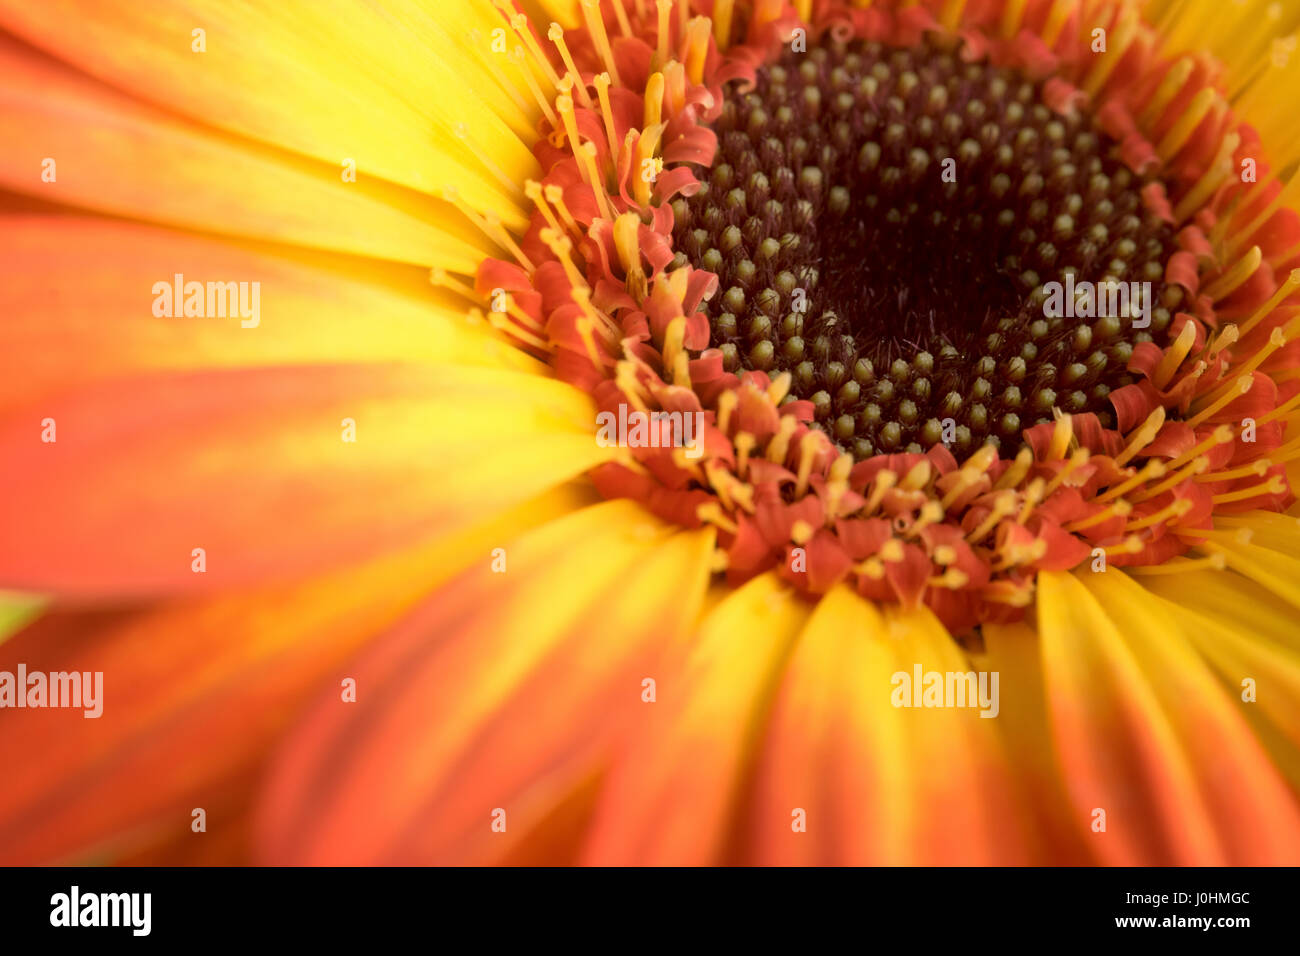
pixel 365 587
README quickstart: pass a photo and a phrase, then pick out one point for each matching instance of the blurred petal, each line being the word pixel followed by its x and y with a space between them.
pixel 385 86
pixel 1179 785
pixel 116 155
pixel 501 693
pixel 195 692
pixel 672 794
pixel 879 784
pixel 251 466
pixel 90 280
pixel 1013 651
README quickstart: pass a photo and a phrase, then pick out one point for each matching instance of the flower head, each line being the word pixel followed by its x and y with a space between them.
pixel 935 362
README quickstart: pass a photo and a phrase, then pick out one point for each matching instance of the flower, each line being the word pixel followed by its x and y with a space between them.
pixel 942 359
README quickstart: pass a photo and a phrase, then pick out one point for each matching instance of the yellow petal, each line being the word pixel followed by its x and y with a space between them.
pixel 847 777
pixel 1178 784
pixel 671 796
pixel 503 693
pixel 116 155
pixel 381 85
pixel 91 281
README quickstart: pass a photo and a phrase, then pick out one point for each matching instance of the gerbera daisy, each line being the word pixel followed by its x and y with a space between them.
pixel 651 431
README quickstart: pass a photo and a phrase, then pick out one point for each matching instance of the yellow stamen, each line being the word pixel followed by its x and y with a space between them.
pixel 1175 509
pixel 564 106
pixel 1285 408
pixel 1012 15
pixel 697 48
pixel 1004 505
pixel 1230 281
pixel 917 477
pixel 1221 436
pixel 556 35
pixel 521 27
pixel 661 47
pixel 587 157
pixel 1016 471
pixel 1120 509
pixel 931 513
pixel 1060 12
pixel 722 22
pixel 489 224
pixel 620 14
pixel 600 39
pixel 499 322
pixel 744 443
pixel 675 86
pixel 1141 437
pixel 607 114
pixel 1122 35
pixel 1077 460
pixel 507 241
pixel 522 317
pixel 518 57
pixel 1283 291
pixel 779 445
pixel 1236 389
pixel 1174 355
pixel 625 378
pixel 1149 472
pixel 945 554
pixel 1274 486
pixel 1193 467
pixel 1062 435
pixel 654 100
pixel 1178 135
pixel 1033 495
pixel 801 532
pixel 1008 592
pixel 808 448
pixel 711 512
pixel 1259 468
pixel 439 277
pixel 1216 174
pixel 561 246
pixel 1174 80
pixel 837 486
pixel 884 482
pixel 1130 545
pixel 608 327
pixel 555 196
pixel 675 357
pixel 1226 338
pixel 954 579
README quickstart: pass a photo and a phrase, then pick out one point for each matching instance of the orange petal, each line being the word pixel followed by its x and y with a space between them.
pixel 116 155
pixel 878 783
pixel 1013 651
pixel 373 84
pixel 1179 784
pixel 90 280
pixel 672 793
pixel 251 467
pixel 502 693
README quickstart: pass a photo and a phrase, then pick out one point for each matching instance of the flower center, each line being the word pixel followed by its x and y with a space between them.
pixel 887 225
